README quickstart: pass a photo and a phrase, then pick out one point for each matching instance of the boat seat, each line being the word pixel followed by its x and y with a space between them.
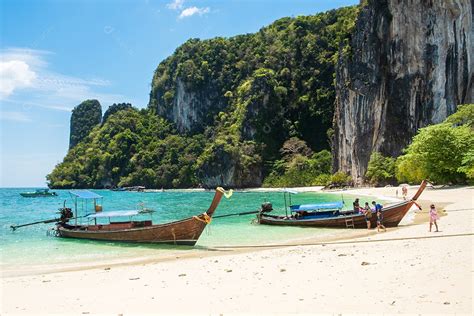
pixel 118 225
pixel 142 223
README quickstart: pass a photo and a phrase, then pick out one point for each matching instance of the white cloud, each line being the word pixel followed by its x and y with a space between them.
pixel 14 116
pixel 175 5
pixel 25 80
pixel 14 74
pixel 33 57
pixel 178 5
pixel 192 11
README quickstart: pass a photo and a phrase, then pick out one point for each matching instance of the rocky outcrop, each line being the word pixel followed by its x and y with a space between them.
pixel 84 118
pixel 193 110
pixel 232 167
pixel 114 108
pixel 410 64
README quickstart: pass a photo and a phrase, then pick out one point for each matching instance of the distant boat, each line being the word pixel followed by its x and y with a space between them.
pixel 118 189
pixel 137 188
pixel 154 190
pixel 329 215
pixel 39 193
pixel 181 232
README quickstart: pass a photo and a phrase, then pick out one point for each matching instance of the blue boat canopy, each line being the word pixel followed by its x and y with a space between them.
pixel 84 194
pixel 314 207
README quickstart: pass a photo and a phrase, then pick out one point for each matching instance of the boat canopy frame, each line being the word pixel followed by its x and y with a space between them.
pixel 84 196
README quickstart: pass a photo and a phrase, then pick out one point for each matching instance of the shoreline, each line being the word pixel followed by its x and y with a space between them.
pixel 10 271
pixel 413 272
pixel 180 253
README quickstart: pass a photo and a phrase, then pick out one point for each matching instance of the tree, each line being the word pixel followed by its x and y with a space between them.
pixel 381 169
pixel 441 153
pixel 340 179
pixel 295 146
pixel 114 108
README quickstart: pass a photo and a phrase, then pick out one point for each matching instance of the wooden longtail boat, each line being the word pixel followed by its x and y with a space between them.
pixel 182 232
pixel 392 215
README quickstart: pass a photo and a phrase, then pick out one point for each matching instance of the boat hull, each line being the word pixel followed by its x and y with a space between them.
pixel 184 232
pixel 392 217
pixel 37 195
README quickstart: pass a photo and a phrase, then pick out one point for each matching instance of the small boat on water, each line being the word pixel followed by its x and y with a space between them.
pixel 181 232
pixel 330 215
pixel 39 193
pixel 118 189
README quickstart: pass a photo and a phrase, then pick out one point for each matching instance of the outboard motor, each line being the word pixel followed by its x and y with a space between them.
pixel 66 214
pixel 266 207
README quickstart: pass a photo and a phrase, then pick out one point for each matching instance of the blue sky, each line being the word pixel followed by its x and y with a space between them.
pixel 55 54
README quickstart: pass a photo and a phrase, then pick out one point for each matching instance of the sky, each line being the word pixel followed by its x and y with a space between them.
pixel 56 53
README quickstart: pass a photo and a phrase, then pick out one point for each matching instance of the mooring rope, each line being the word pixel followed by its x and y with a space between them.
pixel 341 242
pixel 206 218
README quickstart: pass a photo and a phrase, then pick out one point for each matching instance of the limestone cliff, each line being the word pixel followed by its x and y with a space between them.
pixel 192 110
pixel 84 118
pixel 410 64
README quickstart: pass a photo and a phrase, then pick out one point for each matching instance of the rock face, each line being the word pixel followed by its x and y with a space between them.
pixel 84 118
pixel 192 110
pixel 228 170
pixel 410 64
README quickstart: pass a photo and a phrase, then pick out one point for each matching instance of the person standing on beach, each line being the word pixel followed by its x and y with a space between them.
pixel 356 206
pixel 368 214
pixel 404 192
pixel 378 210
pixel 377 206
pixel 433 217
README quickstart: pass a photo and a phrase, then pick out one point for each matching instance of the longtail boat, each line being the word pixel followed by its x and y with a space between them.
pixel 39 193
pixel 182 232
pixel 311 215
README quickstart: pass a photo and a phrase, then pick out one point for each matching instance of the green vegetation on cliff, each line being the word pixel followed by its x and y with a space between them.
pixel 131 148
pixel 299 166
pixel 84 118
pixel 255 91
pixel 221 111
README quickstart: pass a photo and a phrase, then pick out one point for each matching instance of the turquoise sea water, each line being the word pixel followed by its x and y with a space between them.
pixel 31 245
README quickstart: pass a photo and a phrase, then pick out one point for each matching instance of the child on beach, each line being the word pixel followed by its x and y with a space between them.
pixel 433 217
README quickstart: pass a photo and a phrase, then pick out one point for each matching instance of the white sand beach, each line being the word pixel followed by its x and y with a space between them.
pixel 404 270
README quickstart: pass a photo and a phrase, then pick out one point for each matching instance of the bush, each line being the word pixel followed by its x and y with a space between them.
pixel 381 170
pixel 341 179
pixel 300 170
pixel 442 153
